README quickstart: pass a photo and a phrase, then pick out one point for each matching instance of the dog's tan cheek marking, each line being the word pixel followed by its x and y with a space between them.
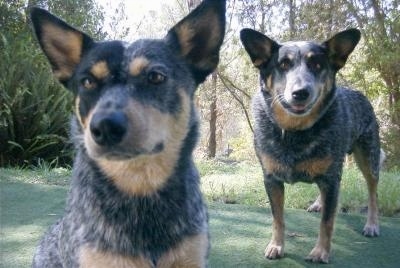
pixel 90 144
pixel 64 48
pixel 190 253
pixel 78 114
pixel 91 258
pixel 137 65
pixel 100 70
pixel 315 167
pixel 269 83
pixel 144 175
pixel 271 165
pixel 82 121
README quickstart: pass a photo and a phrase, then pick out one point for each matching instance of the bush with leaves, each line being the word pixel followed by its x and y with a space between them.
pixel 34 109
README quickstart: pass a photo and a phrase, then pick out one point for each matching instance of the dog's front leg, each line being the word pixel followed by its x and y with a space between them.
pixel 329 198
pixel 275 190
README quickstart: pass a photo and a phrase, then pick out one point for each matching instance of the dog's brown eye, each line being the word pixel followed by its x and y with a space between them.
pixel 284 65
pixel 156 78
pixel 314 65
pixel 88 83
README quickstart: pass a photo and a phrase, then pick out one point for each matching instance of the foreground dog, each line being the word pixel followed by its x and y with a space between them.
pixel 305 125
pixel 135 199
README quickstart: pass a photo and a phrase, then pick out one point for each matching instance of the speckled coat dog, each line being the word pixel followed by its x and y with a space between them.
pixel 305 125
pixel 135 199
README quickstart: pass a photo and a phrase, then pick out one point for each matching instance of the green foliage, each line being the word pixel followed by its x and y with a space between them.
pixel 34 109
pixel 242 146
pixel 86 15
pixel 391 145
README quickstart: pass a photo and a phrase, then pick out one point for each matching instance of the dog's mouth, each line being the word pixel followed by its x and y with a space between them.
pixel 119 153
pixel 297 109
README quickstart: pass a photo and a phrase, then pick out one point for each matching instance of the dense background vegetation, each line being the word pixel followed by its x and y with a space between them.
pixel 35 110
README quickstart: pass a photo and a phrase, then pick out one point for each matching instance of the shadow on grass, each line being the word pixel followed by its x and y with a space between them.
pixel 240 233
pixel 26 212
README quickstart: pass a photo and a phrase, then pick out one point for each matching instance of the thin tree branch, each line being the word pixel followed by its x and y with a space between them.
pixel 237 98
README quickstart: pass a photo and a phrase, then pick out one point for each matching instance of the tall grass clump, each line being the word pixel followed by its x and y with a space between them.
pixel 34 109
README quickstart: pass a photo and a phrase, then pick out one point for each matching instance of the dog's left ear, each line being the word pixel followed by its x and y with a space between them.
pixel 340 46
pixel 198 37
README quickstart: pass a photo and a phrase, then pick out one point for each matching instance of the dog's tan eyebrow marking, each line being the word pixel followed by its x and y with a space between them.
pixel 310 54
pixel 137 65
pixel 100 70
pixel 290 56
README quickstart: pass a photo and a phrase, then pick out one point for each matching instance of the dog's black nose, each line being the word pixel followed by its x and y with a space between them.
pixel 108 129
pixel 301 94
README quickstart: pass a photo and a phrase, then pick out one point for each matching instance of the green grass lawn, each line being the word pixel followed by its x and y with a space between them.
pixel 242 183
pixel 32 200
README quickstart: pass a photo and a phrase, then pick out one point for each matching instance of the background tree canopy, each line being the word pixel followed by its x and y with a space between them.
pixel 35 110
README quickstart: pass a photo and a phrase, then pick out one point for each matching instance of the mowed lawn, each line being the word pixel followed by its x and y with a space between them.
pixel 32 200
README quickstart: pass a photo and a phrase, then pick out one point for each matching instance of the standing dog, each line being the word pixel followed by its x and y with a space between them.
pixel 305 125
pixel 135 199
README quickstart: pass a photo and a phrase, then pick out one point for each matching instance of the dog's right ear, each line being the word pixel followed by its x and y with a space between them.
pixel 198 37
pixel 258 46
pixel 341 45
pixel 61 43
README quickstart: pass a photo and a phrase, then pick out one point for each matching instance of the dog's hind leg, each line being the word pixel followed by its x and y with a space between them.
pixel 367 157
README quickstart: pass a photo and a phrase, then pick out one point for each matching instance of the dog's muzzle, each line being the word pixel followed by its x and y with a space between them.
pixel 298 101
pixel 108 129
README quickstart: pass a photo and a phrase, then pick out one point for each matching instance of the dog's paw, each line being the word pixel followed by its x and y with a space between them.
pixel 273 251
pixel 371 230
pixel 316 206
pixel 318 254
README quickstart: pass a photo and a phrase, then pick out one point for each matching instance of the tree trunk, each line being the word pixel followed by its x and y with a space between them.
pixel 212 139
pixel 292 30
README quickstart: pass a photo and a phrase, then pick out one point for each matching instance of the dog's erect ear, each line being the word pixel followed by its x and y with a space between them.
pixel 258 46
pixel 340 46
pixel 198 37
pixel 62 44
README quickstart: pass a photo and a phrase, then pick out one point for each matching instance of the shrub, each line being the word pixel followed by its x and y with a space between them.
pixel 390 141
pixel 34 109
